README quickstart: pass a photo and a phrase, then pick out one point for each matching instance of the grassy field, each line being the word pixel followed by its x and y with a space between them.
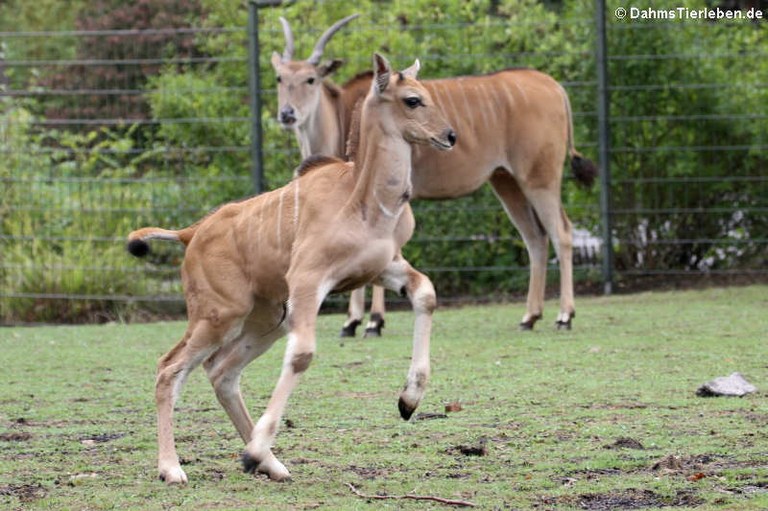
pixel 602 417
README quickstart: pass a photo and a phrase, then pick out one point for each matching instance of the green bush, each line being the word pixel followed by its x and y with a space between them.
pixel 675 116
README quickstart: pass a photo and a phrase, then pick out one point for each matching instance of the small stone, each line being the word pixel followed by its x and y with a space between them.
pixel 733 385
pixel 79 479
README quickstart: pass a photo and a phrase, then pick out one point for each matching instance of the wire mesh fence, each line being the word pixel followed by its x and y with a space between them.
pixel 105 130
pixel 688 116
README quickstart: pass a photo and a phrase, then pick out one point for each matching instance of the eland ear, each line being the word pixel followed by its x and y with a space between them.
pixel 276 60
pixel 328 67
pixel 381 73
pixel 412 71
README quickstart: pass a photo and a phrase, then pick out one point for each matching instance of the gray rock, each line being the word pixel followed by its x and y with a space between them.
pixel 733 385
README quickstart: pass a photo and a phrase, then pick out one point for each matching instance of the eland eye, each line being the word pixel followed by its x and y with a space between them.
pixel 279 79
pixel 413 102
pixel 311 80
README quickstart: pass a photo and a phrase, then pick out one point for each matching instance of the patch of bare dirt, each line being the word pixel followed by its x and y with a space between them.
pixel 426 416
pixel 627 499
pixel 478 449
pixel 588 475
pixel 15 436
pixel 100 439
pixel 636 499
pixel 749 489
pixel 24 492
pixel 625 443
pixel 683 464
pixel 616 406
pixel 368 472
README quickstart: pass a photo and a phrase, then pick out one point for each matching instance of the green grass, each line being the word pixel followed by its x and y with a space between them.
pixel 78 424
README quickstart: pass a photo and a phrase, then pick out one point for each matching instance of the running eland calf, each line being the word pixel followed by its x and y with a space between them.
pixel 516 130
pixel 258 269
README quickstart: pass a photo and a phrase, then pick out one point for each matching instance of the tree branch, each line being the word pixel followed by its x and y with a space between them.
pixel 459 503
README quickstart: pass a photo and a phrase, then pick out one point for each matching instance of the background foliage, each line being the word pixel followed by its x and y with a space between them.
pixel 161 136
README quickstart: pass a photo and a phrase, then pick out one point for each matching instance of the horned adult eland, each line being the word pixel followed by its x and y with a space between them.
pixel 517 130
pixel 258 269
pixel 320 116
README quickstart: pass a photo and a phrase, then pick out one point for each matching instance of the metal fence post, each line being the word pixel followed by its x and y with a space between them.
pixel 604 147
pixel 254 83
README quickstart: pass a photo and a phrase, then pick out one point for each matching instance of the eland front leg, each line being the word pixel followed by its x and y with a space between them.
pixel 304 303
pixel 400 276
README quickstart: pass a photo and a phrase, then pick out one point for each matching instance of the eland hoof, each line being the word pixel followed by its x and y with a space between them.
pixel 528 324
pixel 406 410
pixel 275 470
pixel 564 321
pixel 350 329
pixel 374 326
pixel 173 475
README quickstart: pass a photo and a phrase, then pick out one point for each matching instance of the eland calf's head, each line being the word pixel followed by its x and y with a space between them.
pixel 404 105
pixel 299 82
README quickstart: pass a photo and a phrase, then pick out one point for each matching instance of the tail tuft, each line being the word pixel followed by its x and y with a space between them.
pixel 584 170
pixel 138 247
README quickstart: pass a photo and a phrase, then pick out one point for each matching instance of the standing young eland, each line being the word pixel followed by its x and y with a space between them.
pixel 257 269
pixel 517 130
pixel 320 115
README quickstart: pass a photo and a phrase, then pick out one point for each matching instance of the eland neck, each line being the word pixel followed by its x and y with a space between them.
pixel 383 167
pixel 321 133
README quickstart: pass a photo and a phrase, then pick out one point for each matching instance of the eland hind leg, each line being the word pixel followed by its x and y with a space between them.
pixel 376 321
pixel 524 218
pixel 201 340
pixel 355 313
pixel 225 366
pixel 548 206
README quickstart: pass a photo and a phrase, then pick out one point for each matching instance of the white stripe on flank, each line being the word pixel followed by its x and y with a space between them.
pixel 490 101
pixel 295 205
pixel 260 224
pixel 498 103
pixel 468 114
pixel 280 219
pixel 438 100
pixel 510 96
pixel 522 92
pixel 456 117
pixel 482 107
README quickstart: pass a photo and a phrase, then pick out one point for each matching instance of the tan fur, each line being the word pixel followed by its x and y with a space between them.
pixel 515 131
pixel 258 269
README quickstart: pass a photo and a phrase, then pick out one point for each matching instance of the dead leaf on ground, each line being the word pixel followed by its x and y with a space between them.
pixel 453 407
